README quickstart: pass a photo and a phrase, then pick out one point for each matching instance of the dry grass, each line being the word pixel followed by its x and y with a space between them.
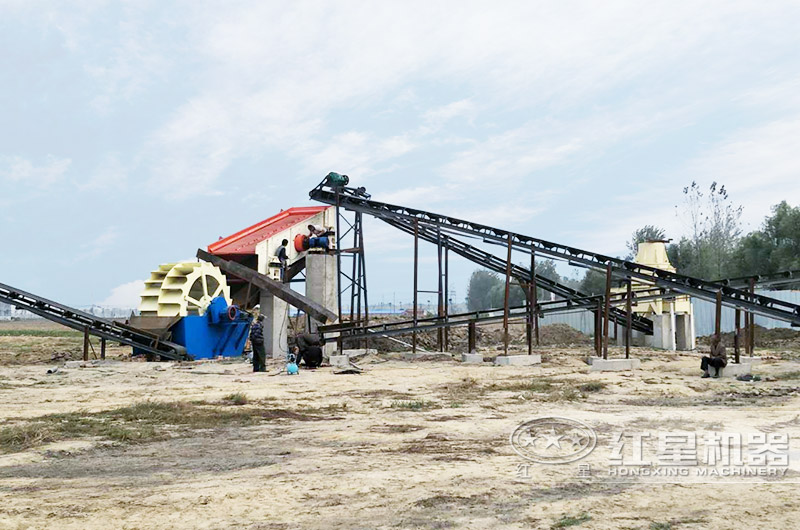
pixel 143 422
pixel 417 405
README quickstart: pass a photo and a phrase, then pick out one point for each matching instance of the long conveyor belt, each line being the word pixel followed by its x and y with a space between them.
pixel 357 200
pixel 492 262
pixel 82 321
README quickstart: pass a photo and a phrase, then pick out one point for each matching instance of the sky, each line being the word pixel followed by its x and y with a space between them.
pixel 133 133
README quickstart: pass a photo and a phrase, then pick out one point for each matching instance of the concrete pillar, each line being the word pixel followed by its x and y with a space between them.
pixel 672 336
pixel 664 331
pixel 684 330
pixel 276 325
pixel 322 287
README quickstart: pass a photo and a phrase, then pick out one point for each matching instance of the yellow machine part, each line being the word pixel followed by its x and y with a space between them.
pixel 654 254
pixel 182 289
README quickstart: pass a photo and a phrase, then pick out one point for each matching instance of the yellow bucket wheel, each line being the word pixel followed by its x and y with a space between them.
pixel 182 289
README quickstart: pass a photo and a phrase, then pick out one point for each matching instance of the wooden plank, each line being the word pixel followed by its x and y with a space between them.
pixel 282 291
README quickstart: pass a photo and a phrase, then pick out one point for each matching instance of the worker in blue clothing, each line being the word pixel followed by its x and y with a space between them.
pixel 257 341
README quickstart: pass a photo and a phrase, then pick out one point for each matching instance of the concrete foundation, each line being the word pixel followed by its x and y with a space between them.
pixel 322 287
pixel 733 370
pixel 276 320
pixel 613 365
pixel 518 360
pixel 471 358
pixel 339 361
pixel 672 331
pixel 359 352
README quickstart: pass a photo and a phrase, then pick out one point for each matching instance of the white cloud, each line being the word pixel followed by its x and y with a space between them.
pixel 111 173
pixel 18 169
pixel 125 295
pixel 759 167
pixel 99 245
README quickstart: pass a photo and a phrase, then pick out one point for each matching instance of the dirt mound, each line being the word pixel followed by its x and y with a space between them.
pixel 776 338
pixel 488 336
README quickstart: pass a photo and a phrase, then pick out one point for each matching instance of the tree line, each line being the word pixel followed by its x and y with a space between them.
pixel 713 247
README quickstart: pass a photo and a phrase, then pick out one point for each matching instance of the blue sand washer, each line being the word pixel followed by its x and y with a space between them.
pixel 221 331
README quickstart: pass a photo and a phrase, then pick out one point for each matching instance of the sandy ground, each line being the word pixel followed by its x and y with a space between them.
pixel 369 462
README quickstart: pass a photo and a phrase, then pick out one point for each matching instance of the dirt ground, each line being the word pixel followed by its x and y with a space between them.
pixel 404 444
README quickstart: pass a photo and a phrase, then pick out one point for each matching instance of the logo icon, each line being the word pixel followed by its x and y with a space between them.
pixel 553 440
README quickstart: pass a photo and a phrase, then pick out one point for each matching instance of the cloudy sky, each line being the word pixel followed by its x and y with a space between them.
pixel 132 133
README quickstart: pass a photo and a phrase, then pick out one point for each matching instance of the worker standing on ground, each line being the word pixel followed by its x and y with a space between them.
pixel 257 341
pixel 308 350
pixel 283 257
pixel 718 358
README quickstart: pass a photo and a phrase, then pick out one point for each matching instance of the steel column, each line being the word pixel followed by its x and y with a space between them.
pixel 607 299
pixel 416 273
pixel 440 308
pixel 472 341
pixel 505 298
pixel 446 297
pixel 629 319
pixel 86 344
pixel 752 335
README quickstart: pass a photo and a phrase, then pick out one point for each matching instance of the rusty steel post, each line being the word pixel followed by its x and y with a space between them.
pixel 363 277
pixel 529 315
pixel 606 310
pixel 440 309
pixel 746 333
pixel 737 332
pixel 416 293
pixel 535 298
pixel 86 344
pixel 628 319
pixel 472 345
pixel 718 314
pixel 339 341
pixel 598 345
pixel 446 297
pixel 752 335
pixel 102 348
pixel 505 297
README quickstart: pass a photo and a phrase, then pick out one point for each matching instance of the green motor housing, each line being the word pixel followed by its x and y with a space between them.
pixel 337 180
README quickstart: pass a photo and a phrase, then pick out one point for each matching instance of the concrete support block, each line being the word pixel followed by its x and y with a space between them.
pixel 518 360
pixel 322 287
pixel 359 352
pixel 664 331
pixel 339 361
pixel 471 358
pixel 733 369
pixel 276 325
pixel 613 365
pixel 684 331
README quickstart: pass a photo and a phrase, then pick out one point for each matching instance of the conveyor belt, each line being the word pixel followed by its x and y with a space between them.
pixel 357 200
pixel 492 262
pixel 82 321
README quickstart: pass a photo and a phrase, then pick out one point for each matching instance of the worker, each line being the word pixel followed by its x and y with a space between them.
pixel 283 257
pixel 318 231
pixel 308 350
pixel 717 359
pixel 257 342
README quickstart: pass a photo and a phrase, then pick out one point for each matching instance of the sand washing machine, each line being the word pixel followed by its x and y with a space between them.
pixel 189 303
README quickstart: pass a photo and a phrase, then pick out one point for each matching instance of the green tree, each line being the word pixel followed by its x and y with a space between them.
pixel 642 235
pixel 714 231
pixel 487 290
pixel 479 290
pixel 593 282
pixel 776 247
